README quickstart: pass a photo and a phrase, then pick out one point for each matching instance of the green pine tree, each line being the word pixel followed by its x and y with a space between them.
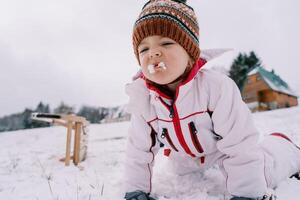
pixel 241 65
pixel 63 108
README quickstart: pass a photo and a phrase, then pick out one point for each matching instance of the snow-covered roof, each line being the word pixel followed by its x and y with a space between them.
pixel 273 81
pixel 253 71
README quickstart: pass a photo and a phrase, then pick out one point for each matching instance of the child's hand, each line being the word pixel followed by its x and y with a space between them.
pixel 137 195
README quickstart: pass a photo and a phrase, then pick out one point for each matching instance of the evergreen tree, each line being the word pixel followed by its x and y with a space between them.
pixel 252 60
pixel 26 118
pixel 23 119
pixel 241 66
pixel 42 108
pixel 93 115
pixel 64 109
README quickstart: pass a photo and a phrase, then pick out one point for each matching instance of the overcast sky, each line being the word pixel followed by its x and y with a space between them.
pixel 79 51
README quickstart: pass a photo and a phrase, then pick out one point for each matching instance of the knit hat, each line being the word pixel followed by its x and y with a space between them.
pixel 169 18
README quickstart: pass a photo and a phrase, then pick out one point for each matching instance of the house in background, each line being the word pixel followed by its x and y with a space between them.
pixel 264 90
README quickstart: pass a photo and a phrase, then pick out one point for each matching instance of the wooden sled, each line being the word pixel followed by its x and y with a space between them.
pixel 75 124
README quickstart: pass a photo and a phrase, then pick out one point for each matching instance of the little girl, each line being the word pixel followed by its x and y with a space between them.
pixel 195 114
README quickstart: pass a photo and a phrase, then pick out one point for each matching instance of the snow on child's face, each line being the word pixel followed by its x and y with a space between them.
pixel 162 59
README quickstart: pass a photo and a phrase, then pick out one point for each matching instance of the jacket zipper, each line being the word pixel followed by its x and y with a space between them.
pixel 178 131
pixel 169 107
pixel 165 134
pixel 176 123
pixel 193 132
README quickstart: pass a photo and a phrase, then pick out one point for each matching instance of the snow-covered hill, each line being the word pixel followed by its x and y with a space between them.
pixel 30 167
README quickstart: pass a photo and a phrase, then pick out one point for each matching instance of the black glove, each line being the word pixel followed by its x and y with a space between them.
pixel 137 195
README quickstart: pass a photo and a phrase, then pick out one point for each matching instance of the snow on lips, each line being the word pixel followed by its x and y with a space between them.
pixel 157 67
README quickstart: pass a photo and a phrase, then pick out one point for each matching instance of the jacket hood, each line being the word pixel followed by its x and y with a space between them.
pixel 139 92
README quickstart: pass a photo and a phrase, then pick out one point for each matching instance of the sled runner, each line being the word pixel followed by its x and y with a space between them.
pixel 71 122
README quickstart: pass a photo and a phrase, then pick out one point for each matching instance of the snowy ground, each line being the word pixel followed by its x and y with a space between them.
pixel 30 170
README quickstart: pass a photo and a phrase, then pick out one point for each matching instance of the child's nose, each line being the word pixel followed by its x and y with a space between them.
pixel 155 53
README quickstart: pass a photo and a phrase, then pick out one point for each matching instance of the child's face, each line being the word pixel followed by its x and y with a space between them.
pixel 156 49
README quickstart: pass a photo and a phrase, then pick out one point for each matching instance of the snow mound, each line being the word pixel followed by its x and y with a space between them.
pixel 30 167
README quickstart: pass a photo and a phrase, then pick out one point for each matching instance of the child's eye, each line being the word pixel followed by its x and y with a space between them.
pixel 167 43
pixel 143 50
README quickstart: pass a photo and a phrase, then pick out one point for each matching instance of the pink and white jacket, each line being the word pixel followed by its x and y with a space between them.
pixel 208 122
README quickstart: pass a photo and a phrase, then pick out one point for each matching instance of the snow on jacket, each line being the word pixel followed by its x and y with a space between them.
pixel 207 119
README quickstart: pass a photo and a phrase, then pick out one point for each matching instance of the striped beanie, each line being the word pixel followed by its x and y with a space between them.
pixel 169 18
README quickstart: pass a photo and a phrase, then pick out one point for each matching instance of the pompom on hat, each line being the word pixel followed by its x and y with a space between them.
pixel 169 18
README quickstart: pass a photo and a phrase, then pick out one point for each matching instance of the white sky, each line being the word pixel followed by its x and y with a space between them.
pixel 79 51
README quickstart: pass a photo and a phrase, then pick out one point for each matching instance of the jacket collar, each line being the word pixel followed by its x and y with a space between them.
pixel 195 69
pixel 205 56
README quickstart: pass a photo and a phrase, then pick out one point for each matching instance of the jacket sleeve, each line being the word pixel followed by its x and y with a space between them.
pixel 244 162
pixel 141 149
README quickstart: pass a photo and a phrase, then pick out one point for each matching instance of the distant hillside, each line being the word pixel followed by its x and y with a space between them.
pixel 22 120
pixel 116 114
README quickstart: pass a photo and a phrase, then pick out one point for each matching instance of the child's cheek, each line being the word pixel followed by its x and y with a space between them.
pixel 145 71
